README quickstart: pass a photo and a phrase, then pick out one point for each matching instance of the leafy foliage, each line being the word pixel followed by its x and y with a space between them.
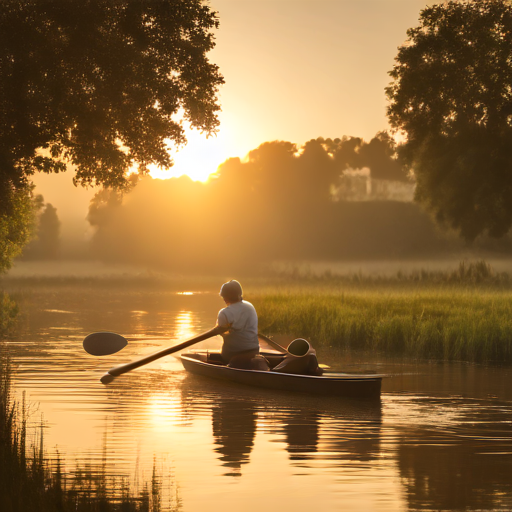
pixel 8 314
pixel 101 84
pixel 452 97
pixel 17 227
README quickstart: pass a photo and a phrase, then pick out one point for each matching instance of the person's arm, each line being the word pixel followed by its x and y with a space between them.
pixel 222 323
pixel 219 329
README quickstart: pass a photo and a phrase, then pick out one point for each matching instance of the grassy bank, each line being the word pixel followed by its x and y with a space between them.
pixel 32 481
pixel 460 314
pixel 464 317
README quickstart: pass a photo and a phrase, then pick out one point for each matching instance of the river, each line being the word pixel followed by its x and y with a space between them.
pixel 439 439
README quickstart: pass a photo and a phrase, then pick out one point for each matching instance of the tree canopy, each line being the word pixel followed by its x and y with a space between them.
pixel 451 96
pixel 101 84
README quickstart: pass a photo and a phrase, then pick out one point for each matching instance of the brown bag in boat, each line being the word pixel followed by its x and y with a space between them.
pixel 249 361
pixel 300 359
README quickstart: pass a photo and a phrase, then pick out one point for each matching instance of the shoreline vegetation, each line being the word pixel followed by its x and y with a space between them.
pixel 463 314
pixel 31 480
pixel 8 314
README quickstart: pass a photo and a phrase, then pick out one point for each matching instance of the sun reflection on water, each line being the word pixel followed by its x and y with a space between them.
pixel 165 410
pixel 185 324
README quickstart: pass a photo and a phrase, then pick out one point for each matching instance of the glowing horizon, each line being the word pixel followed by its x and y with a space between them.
pixel 198 159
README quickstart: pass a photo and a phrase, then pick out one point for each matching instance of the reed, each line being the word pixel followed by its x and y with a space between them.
pixel 424 320
pixel 8 314
pixel 34 481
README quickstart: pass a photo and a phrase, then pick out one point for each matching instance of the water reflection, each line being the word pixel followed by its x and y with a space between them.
pixel 185 324
pixel 466 465
pixel 440 439
pixel 302 429
pixel 234 428
pixel 326 432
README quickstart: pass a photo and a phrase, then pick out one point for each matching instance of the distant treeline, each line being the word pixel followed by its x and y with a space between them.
pixel 281 203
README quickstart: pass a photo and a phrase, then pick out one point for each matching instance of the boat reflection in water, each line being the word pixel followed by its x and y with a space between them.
pixel 325 431
pixel 234 429
pixel 302 432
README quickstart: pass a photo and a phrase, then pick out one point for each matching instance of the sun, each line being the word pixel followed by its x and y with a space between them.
pixel 198 159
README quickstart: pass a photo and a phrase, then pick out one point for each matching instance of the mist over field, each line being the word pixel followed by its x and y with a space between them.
pixel 331 200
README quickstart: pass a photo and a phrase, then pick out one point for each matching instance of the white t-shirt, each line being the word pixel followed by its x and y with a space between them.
pixel 242 320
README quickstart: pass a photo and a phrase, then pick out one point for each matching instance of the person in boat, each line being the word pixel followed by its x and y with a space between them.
pixel 238 325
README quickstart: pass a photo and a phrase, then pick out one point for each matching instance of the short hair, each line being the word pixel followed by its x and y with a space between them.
pixel 231 291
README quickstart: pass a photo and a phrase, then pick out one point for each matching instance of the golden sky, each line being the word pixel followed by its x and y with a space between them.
pixel 300 69
pixel 294 70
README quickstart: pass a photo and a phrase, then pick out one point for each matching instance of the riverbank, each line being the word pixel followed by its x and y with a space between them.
pixel 464 315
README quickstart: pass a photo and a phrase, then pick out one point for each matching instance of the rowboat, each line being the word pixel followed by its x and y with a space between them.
pixel 286 369
pixel 207 363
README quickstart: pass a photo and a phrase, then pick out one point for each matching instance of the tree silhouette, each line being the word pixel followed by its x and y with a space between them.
pixel 46 243
pixel 103 85
pixel 274 205
pixel 451 96
pixel 99 83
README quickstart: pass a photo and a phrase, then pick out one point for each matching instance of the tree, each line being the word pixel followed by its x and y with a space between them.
pixel 451 96
pixel 17 227
pixel 101 84
pixel 379 155
pixel 46 242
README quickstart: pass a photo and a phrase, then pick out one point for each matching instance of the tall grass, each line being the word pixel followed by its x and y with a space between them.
pixel 466 320
pixel 8 314
pixel 34 482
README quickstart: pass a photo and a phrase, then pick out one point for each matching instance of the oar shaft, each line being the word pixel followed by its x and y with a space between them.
pixel 119 370
pixel 272 343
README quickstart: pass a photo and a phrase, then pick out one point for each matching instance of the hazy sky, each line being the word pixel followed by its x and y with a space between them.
pixel 300 69
pixel 294 70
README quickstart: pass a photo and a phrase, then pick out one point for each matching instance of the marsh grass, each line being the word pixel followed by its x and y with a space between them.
pixel 8 314
pixel 32 481
pixel 465 317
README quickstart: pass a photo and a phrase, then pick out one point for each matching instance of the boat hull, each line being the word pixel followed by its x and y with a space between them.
pixel 343 385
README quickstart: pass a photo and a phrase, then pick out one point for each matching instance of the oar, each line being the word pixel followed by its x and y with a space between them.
pixel 273 343
pixel 108 343
pixel 119 370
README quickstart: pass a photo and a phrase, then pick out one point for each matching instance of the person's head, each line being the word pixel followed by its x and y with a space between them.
pixel 231 291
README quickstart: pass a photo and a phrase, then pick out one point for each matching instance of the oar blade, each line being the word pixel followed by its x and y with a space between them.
pixel 104 343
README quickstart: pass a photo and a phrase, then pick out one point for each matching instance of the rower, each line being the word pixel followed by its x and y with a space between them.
pixel 238 325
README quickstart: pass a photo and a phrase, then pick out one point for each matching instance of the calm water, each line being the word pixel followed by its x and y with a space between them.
pixel 440 439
